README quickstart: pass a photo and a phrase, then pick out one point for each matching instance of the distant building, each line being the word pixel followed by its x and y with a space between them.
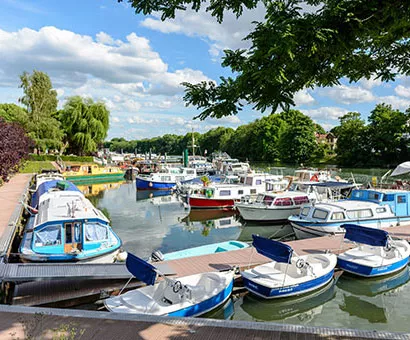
pixel 326 138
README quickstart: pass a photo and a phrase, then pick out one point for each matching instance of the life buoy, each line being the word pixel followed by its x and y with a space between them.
pixel 314 178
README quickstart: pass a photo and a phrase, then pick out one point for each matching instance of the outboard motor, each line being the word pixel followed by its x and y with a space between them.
pixel 157 256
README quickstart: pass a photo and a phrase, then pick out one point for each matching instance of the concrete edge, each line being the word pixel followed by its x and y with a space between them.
pixel 263 326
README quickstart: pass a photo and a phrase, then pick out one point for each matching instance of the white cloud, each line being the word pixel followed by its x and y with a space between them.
pixel 348 94
pixel 141 120
pixel 402 91
pixel 229 34
pixel 303 97
pixel 115 119
pixel 396 102
pixel 104 38
pixel 326 113
pixel 370 83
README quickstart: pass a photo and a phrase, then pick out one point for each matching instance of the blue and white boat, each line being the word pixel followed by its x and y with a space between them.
pixel 288 274
pixel 207 249
pixel 166 179
pixel 369 208
pixel 186 296
pixel 67 228
pixel 378 254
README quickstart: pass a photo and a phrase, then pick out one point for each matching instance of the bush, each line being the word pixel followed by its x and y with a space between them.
pixel 51 158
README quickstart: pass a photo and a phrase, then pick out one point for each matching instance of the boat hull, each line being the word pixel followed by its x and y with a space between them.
pixel 264 214
pixel 369 271
pixel 210 203
pixel 144 184
pixel 97 177
pixel 287 291
pixel 206 250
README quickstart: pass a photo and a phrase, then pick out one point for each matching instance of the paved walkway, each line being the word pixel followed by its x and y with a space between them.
pixel 45 323
pixel 10 195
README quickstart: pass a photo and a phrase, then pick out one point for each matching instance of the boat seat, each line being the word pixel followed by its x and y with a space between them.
pixel 172 297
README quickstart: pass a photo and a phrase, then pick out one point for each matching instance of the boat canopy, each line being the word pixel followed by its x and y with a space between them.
pixel 141 269
pixel 370 236
pixel 275 250
pixel 49 185
pixel 401 169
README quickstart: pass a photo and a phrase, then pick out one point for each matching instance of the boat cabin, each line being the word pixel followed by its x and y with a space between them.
pixel 287 199
pixel 173 175
pixel 397 200
pixel 67 227
pixel 344 212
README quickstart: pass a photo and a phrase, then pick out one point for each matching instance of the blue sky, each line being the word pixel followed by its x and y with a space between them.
pixel 135 64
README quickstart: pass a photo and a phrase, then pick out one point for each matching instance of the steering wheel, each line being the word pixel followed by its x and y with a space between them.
pixel 177 286
pixel 300 263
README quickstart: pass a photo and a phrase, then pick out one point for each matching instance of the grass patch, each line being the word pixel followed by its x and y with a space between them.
pixel 36 166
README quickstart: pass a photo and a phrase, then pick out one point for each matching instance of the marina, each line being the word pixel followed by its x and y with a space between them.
pixel 179 231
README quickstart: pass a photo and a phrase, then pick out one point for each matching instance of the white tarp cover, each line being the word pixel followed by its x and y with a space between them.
pixel 401 169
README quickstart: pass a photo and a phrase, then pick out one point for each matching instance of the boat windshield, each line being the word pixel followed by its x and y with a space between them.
pixel 48 236
pixel 259 199
pixel 95 232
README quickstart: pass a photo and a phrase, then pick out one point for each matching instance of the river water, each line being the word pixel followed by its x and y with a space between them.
pixel 146 222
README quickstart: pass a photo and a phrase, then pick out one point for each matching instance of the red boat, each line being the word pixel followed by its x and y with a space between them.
pixel 210 203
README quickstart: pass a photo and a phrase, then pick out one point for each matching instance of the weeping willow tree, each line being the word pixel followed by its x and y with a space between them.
pixel 85 124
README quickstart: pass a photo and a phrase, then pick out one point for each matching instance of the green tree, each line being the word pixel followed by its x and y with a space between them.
pixel 85 124
pixel 41 102
pixel 215 139
pixel 293 49
pixel 352 144
pixel 13 113
pixel 387 134
pixel 297 144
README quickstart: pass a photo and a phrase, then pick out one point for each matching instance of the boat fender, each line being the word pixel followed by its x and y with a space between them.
pixel 157 256
pixel 150 184
pixel 122 256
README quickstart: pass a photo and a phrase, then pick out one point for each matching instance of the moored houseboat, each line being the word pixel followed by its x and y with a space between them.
pixel 85 172
pixel 68 228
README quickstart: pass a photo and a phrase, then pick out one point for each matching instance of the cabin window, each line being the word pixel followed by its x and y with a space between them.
pixel 381 210
pixel 305 211
pixel 240 192
pixel 77 232
pixel 357 194
pixel 259 199
pixel 249 181
pixel 253 191
pixel 225 222
pixel 258 182
pixel 300 200
pixel 338 216
pixel 388 197
pixel 267 200
pixel 363 213
pixel 225 193
pixel 179 178
pixel 285 201
pixel 401 199
pixel 165 178
pixel 242 180
pixel 48 236
pixel 374 196
pixel 320 214
pixel 190 172
pixel 95 232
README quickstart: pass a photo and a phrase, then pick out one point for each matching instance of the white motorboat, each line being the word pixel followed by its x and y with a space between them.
pixel 378 254
pixel 187 296
pixel 272 207
pixel 367 207
pixel 288 274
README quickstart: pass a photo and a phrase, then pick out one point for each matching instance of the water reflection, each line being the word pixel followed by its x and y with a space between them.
pixel 372 287
pixel 146 194
pixel 304 306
